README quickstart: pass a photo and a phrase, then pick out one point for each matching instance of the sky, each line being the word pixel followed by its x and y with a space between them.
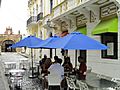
pixel 13 13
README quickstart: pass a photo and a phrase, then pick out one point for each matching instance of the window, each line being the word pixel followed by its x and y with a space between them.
pixel 51 5
pixel 41 5
pixel 83 53
pixel 36 8
pixel 110 39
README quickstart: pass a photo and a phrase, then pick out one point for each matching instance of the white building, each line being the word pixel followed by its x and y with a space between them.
pixel 98 19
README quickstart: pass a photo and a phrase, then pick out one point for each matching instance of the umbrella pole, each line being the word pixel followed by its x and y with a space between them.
pixel 55 52
pixel 32 61
pixel 75 59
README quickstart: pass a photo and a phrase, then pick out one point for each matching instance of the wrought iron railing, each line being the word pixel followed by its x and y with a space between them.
pixel 40 16
pixel 32 19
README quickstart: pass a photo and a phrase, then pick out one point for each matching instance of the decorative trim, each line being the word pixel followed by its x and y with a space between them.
pixel 92 17
pixel 81 20
pixel 108 10
pixel 64 26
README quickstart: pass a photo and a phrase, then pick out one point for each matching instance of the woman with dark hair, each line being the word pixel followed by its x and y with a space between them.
pixel 67 64
pixel 82 69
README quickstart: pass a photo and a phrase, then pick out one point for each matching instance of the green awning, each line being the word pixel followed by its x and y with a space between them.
pixel 82 30
pixel 110 26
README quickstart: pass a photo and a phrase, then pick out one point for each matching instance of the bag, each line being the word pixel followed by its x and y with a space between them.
pixel 64 83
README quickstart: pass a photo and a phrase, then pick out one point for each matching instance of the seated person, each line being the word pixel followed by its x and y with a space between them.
pixel 67 64
pixel 81 72
pixel 46 65
pixel 41 62
pixel 45 72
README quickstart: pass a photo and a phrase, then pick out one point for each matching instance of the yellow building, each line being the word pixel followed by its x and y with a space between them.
pixel 32 24
pixel 7 39
pixel 95 18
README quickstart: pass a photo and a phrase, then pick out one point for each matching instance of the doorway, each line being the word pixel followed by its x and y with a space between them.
pixel 6 46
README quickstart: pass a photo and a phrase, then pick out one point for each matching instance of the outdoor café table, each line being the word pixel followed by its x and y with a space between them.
pixel 68 73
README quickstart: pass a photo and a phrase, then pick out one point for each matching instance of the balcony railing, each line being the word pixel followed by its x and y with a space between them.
pixel 66 6
pixel 32 19
pixel 40 16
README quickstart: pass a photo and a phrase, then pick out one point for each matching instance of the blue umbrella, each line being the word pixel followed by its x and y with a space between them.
pixel 27 42
pixel 15 45
pixel 77 41
pixel 46 43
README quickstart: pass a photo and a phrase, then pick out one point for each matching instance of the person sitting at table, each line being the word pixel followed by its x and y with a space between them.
pixel 41 62
pixel 81 73
pixel 46 65
pixel 45 72
pixel 67 64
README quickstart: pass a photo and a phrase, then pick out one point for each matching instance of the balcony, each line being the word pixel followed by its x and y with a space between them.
pixel 66 6
pixel 40 16
pixel 32 20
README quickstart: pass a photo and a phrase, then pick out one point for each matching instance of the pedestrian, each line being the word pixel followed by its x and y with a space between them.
pixel 56 74
pixel 81 73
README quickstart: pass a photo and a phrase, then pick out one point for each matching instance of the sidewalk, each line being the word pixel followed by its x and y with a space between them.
pixel 93 82
pixel 96 83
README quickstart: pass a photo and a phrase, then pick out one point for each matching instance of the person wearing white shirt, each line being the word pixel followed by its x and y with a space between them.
pixel 56 74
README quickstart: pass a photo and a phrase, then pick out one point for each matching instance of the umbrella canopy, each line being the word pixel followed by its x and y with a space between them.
pixel 45 43
pixel 27 42
pixel 15 45
pixel 77 41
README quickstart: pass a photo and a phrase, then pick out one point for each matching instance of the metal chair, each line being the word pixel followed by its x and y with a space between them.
pixel 71 84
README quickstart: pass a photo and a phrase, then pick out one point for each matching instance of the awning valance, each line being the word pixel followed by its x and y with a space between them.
pixel 106 26
pixel 82 30
pixel 64 33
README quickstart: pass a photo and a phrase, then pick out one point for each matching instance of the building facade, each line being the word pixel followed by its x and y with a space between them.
pixel 7 39
pixel 98 19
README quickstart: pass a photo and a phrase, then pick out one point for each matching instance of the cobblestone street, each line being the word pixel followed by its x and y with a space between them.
pixel 34 84
pixel 26 83
pixel 3 80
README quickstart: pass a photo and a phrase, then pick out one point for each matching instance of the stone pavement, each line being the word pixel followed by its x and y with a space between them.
pixel 27 83
pixel 94 82
pixel 30 84
pixel 3 80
